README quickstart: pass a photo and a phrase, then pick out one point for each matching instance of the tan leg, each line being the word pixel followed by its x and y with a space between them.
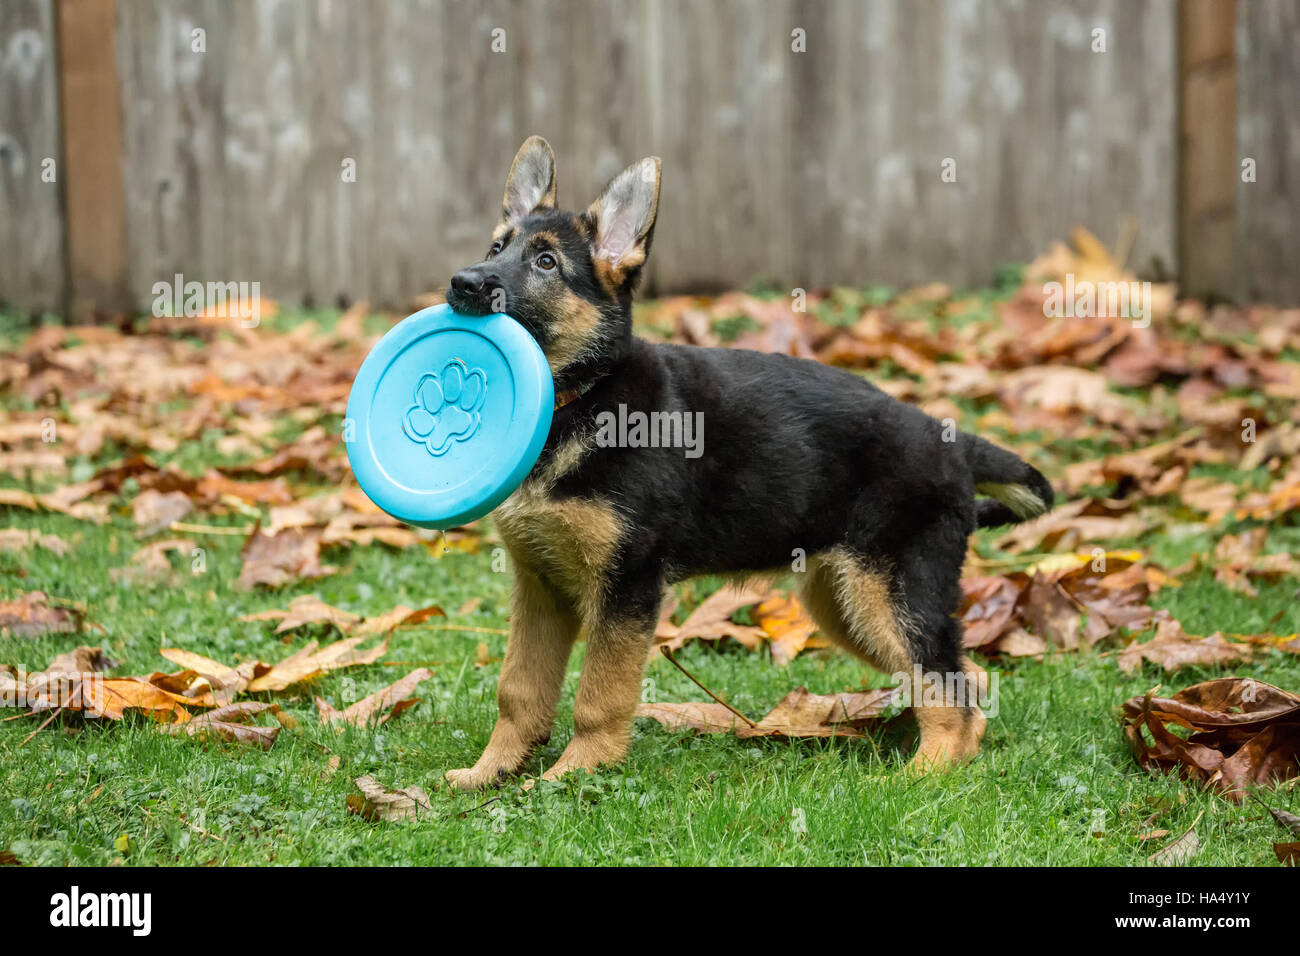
pixel 951 731
pixel 608 693
pixel 542 630
pixel 854 607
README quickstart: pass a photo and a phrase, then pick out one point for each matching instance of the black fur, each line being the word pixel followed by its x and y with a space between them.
pixel 798 457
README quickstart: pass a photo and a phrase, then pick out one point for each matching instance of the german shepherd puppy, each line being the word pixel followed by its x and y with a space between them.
pixel 798 458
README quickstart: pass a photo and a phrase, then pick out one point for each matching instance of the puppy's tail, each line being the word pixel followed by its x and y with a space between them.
pixel 1016 489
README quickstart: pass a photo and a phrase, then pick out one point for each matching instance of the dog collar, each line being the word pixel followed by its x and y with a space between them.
pixel 565 396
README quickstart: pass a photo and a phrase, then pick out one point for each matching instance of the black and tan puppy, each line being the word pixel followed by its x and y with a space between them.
pixel 796 458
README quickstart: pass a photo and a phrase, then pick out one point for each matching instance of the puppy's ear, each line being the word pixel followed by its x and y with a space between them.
pixel 531 183
pixel 622 222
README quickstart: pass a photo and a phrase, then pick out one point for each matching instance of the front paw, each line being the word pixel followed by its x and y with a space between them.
pixel 475 777
pixel 559 770
pixel 587 756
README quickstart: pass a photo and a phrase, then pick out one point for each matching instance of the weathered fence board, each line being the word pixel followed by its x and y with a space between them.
pixel 1043 133
pixel 94 205
pixel 1268 132
pixel 1207 159
pixel 32 264
pixel 807 167
pixel 334 150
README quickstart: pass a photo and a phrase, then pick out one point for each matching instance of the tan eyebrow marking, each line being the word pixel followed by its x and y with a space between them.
pixel 549 239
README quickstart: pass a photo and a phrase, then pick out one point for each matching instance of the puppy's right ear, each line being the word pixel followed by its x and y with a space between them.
pixel 622 222
pixel 531 183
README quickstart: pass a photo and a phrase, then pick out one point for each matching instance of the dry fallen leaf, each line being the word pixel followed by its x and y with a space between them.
pixel 378 707
pixel 273 560
pixel 54 501
pixel 309 609
pixel 227 724
pixel 20 539
pixel 400 616
pixel 377 802
pixel 152 563
pixel 802 713
pixel 712 619
pixel 1069 601
pixel 80 660
pixel 1288 854
pixel 60 685
pixel 1244 733
pixel 787 625
pixel 312 661
pixel 155 511
pixel 1143 469
pixel 305 513
pixel 31 615
pixel 190 685
pixel 1239 560
pixel 331 768
pixel 225 681
pixel 112 697
pixel 799 714
pixel 215 486
pixel 1172 649
pixel 710 718
pixel 306 609
pixel 1178 852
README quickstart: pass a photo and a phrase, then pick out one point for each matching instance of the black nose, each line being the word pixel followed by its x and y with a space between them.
pixel 474 281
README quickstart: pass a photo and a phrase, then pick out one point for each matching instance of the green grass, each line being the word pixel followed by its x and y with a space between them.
pixel 1052 759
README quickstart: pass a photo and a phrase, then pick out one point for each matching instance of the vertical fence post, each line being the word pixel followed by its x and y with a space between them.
pixel 94 190
pixel 1207 146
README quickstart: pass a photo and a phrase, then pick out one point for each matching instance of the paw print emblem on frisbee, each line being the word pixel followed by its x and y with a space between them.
pixel 450 414
pixel 447 407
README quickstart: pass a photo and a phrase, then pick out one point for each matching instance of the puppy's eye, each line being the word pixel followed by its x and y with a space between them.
pixel 546 262
pixel 496 247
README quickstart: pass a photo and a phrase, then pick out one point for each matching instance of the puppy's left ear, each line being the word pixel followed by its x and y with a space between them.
pixel 622 221
pixel 531 183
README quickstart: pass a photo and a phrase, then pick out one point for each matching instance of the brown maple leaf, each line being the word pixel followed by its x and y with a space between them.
pixel 273 560
pixel 31 614
pixel 788 626
pixel 704 718
pixel 1173 649
pixel 712 619
pixel 228 724
pixel 802 713
pixel 155 511
pixel 313 661
pixel 306 609
pixel 377 802
pixel 1244 733
pixel 380 706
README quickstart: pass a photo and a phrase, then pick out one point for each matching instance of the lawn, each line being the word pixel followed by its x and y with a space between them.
pixel 1053 756
pixel 1055 784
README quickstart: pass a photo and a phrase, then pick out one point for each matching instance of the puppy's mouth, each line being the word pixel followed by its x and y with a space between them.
pixel 478 304
pixel 468 303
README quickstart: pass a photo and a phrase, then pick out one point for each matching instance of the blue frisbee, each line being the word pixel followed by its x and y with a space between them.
pixel 448 414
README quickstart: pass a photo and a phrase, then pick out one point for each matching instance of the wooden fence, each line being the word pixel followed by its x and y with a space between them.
pixel 335 150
